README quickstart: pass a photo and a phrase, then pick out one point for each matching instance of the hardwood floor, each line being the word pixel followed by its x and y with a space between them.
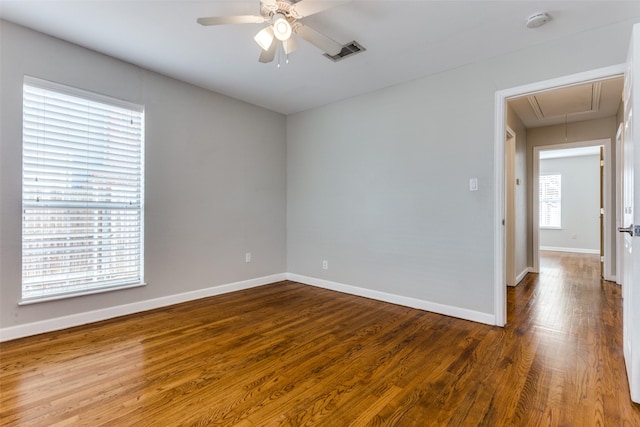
pixel 290 354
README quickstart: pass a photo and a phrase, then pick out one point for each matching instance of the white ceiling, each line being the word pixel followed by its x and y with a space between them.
pixel 405 40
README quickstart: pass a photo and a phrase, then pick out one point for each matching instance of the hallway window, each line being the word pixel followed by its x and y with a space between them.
pixel 550 201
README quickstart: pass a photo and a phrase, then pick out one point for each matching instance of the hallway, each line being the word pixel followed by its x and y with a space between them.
pixel 575 327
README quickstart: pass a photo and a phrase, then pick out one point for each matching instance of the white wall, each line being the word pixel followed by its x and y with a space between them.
pixel 580 209
pixel 378 185
pixel 215 177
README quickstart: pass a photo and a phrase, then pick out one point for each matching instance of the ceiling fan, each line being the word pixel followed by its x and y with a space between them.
pixel 283 18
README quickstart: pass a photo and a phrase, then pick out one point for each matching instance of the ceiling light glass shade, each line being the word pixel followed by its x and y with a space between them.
pixel 264 38
pixel 281 28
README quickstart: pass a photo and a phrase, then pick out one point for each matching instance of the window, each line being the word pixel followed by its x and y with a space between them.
pixel 82 192
pixel 550 201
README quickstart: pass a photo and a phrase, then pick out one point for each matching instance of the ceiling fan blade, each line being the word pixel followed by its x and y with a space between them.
pixel 317 39
pixel 269 3
pixel 223 20
pixel 267 56
pixel 289 45
pixel 310 7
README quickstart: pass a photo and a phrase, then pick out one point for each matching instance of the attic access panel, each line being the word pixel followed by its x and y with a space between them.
pixel 567 101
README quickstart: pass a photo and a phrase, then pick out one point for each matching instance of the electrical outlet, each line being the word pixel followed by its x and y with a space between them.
pixel 247 257
pixel 325 264
pixel 473 184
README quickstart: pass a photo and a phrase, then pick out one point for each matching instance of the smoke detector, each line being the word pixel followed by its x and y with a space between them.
pixel 538 19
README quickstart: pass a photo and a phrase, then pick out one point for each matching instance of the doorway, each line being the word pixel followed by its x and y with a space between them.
pixel 588 215
pixel 500 164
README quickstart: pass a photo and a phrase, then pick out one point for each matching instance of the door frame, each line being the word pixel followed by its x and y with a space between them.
pixel 605 187
pixel 619 205
pixel 510 203
pixel 499 235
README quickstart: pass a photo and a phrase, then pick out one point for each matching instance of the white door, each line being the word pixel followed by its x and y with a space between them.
pixel 631 193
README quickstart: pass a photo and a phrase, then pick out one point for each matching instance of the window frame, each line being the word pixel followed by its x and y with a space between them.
pixel 138 211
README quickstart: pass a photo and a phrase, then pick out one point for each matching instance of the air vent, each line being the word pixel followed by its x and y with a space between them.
pixel 348 49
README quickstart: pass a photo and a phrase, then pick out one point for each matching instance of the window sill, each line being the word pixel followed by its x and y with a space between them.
pixel 550 228
pixel 49 298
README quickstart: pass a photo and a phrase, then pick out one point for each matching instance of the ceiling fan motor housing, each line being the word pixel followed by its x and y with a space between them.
pixel 283 8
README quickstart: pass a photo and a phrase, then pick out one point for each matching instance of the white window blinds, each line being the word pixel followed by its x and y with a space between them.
pixel 82 192
pixel 550 201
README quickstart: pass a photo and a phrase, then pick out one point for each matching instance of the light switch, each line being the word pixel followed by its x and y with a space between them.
pixel 473 184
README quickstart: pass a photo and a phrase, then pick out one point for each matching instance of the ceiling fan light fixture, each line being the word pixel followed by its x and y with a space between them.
pixel 264 38
pixel 281 27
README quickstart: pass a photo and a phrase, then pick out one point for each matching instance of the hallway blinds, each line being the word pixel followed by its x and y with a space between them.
pixel 550 201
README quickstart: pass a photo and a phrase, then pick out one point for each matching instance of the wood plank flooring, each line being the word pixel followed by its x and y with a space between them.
pixel 290 355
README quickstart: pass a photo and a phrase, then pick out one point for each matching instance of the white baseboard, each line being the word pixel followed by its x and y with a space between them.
pixel 522 275
pixel 461 313
pixel 575 250
pixel 64 322
pixel 49 325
